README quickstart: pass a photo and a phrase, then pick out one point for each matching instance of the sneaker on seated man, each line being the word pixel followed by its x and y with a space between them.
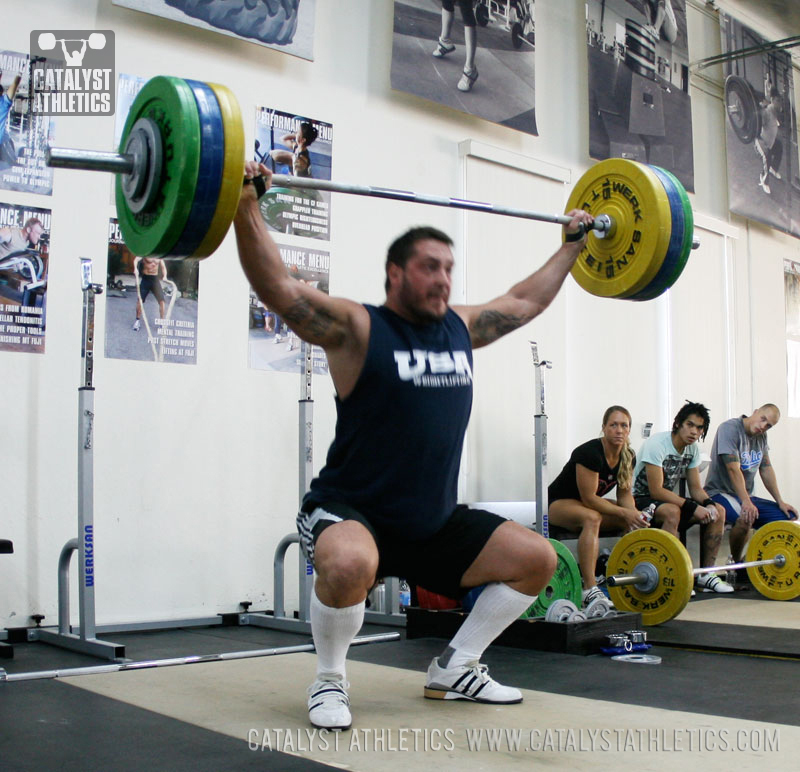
pixel 712 583
pixel 591 595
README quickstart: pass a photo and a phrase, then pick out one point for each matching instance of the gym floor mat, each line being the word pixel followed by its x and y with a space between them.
pixel 251 699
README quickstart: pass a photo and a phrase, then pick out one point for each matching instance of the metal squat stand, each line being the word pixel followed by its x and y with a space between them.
pixel 84 640
pixel 279 620
pixel 540 444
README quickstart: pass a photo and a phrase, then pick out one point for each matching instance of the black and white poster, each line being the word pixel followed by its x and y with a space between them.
pixel 760 130
pixel 476 57
pixel 24 134
pixel 271 344
pixel 151 305
pixel 24 264
pixel 300 147
pixel 639 103
pixel 285 25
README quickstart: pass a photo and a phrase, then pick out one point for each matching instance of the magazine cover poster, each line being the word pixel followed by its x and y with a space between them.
pixel 639 105
pixel 760 130
pixel 24 135
pixel 272 345
pixel 300 147
pixel 284 25
pixel 475 57
pixel 24 263
pixel 151 305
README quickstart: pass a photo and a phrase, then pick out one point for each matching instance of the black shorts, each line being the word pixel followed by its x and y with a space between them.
pixel 436 563
pixel 642 502
pixel 150 284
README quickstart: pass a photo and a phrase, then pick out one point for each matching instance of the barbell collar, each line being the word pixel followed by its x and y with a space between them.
pixel 622 579
pixel 89 160
pixel 645 579
pixel 639 577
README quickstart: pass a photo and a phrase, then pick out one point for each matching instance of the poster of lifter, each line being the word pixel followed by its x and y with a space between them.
pixel 151 305
pixel 24 135
pixel 300 147
pixel 24 261
pixel 271 343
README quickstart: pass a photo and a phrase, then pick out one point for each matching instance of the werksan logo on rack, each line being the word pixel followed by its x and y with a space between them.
pixel 72 72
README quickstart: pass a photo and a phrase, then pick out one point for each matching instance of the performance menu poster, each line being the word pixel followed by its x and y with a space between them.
pixel 300 147
pixel 271 344
pixel 151 305
pixel 24 263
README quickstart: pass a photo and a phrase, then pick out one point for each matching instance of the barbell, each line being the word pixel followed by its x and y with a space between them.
pixel 650 572
pixel 180 166
pixel 197 659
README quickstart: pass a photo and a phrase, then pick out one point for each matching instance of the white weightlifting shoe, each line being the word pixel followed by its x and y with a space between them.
pixel 329 705
pixel 467 80
pixel 443 48
pixel 712 583
pixel 468 682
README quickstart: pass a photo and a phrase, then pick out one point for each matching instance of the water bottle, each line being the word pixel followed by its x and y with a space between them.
pixel 648 512
pixel 378 598
pixel 405 594
pixel 730 576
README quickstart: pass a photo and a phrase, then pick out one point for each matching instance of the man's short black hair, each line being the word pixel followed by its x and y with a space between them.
pixel 403 246
pixel 692 408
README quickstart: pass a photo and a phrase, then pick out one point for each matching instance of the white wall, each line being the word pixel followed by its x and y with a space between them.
pixel 196 467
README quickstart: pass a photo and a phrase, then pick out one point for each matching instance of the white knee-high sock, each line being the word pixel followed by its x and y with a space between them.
pixel 333 630
pixel 447 24
pixel 496 608
pixel 471 40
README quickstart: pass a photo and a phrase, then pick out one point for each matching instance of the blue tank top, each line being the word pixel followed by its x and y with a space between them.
pixel 399 434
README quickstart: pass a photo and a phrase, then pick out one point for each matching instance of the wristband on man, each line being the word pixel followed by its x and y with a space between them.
pixel 688 507
pixel 708 502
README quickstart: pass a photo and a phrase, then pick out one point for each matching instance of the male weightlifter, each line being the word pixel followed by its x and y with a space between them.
pixel 385 502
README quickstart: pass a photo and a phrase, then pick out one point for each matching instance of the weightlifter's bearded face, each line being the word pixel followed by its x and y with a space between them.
pixel 424 290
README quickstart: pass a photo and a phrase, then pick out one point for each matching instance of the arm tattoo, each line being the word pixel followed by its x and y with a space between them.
pixel 729 458
pixel 308 320
pixel 765 461
pixel 491 325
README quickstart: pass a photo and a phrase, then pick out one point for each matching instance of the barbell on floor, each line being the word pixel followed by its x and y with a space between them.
pixel 180 168
pixel 650 572
pixel 173 661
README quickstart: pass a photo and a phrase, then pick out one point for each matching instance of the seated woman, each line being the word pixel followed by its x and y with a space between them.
pixel 576 495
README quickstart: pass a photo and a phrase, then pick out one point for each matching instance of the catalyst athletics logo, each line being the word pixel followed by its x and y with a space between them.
pixel 72 72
